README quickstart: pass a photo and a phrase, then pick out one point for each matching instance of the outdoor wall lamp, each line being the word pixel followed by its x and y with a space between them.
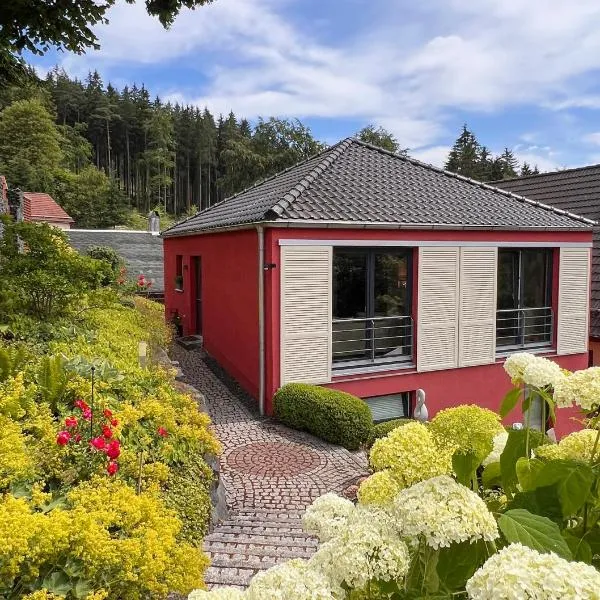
pixel 269 266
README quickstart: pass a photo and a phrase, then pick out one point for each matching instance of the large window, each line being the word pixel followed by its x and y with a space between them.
pixel 371 307
pixel 524 316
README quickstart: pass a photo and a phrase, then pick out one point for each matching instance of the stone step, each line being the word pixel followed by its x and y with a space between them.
pixel 239 561
pixel 262 540
pixel 219 551
pixel 217 577
pixel 260 528
pixel 253 515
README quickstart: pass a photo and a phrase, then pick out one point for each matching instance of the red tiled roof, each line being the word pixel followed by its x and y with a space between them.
pixel 42 207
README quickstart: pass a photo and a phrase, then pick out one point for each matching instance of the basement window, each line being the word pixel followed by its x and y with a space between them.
pixel 391 406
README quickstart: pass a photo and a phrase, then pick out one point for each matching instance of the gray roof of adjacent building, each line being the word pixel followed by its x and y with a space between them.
pixel 142 251
pixel 576 190
pixel 358 184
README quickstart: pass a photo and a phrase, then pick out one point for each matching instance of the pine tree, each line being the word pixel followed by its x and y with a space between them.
pixel 509 164
pixel 464 158
pixel 526 170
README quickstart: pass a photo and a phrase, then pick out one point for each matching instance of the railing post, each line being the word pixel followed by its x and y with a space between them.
pixel 372 321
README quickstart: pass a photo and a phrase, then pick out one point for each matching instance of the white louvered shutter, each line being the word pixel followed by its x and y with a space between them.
pixel 478 301
pixel 306 274
pixel 437 328
pixel 573 300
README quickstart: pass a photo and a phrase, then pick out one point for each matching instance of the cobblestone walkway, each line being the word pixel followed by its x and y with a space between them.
pixel 270 474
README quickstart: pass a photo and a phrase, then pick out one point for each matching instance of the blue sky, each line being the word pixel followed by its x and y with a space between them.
pixel 521 73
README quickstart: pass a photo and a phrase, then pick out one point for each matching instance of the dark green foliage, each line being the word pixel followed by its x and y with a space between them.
pixel 469 158
pixel 40 275
pixel 382 429
pixel 382 138
pixel 109 256
pixel 12 360
pixel 331 415
pixel 187 492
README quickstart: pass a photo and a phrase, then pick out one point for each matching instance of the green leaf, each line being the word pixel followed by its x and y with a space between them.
pixel 534 531
pixel 580 549
pixel 465 465
pixel 57 583
pixel 510 401
pixel 83 588
pixel 527 470
pixel 515 449
pixel 573 479
pixel 541 501
pixel 491 476
pixel 457 563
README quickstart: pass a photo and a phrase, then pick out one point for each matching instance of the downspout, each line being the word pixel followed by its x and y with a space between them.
pixel 261 319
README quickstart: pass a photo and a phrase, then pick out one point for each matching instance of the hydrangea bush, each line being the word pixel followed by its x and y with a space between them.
pixel 463 508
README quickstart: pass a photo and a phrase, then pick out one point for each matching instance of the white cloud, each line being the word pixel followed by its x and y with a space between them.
pixel 592 138
pixel 433 155
pixel 406 69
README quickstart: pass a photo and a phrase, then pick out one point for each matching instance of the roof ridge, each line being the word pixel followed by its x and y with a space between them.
pixel 477 183
pixel 255 185
pixel 333 153
pixel 557 172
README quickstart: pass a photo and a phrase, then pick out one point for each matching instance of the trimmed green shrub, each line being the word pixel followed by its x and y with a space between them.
pixel 331 415
pixel 382 429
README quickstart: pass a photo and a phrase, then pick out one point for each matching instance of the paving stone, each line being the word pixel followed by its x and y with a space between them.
pixel 270 474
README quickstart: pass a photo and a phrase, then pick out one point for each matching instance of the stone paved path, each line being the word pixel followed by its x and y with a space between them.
pixel 270 474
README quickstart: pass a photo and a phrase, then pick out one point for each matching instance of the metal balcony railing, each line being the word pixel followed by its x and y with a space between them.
pixel 371 341
pixel 524 328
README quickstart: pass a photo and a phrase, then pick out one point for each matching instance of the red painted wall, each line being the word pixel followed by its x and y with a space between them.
pixel 229 297
pixel 484 385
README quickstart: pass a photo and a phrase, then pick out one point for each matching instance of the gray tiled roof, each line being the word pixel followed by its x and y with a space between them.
pixel 142 251
pixel 359 183
pixel 576 190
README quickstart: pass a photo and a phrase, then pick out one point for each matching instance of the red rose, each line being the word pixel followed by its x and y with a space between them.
pixel 107 432
pixel 163 432
pixel 114 422
pixel 107 413
pixel 71 422
pixel 63 437
pixel 87 414
pixel 112 467
pixel 113 449
pixel 98 443
pixel 81 404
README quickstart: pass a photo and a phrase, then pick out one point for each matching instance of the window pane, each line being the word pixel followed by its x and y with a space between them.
pixel 508 279
pixel 349 285
pixel 535 278
pixel 350 338
pixel 391 276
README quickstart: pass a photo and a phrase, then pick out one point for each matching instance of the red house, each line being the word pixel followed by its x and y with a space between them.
pixel 379 275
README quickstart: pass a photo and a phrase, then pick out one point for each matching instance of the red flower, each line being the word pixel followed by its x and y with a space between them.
pixel 81 405
pixel 98 443
pixel 114 422
pixel 107 413
pixel 78 438
pixel 63 437
pixel 163 432
pixel 71 422
pixel 112 467
pixel 113 449
pixel 149 284
pixel 107 432
pixel 87 414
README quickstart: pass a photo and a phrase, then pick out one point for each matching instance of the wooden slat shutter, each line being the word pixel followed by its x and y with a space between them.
pixel 437 329
pixel 306 274
pixel 478 301
pixel 573 301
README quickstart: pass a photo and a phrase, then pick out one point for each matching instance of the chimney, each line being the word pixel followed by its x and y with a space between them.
pixel 154 222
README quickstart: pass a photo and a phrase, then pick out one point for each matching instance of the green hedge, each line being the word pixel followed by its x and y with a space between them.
pixel 331 415
pixel 382 429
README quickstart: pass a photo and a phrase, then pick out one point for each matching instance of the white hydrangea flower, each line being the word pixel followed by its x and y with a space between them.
pixel 516 364
pixel 541 372
pixel 499 444
pixel 326 516
pixel 293 580
pixel 224 593
pixel 367 549
pixel 581 388
pixel 443 512
pixel 521 573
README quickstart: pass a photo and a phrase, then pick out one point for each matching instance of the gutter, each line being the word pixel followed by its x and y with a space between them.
pixel 261 318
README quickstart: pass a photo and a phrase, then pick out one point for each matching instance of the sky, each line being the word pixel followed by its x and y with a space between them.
pixel 523 74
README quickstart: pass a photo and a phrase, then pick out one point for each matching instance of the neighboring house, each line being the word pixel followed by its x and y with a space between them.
pixel 575 190
pixel 379 275
pixel 42 208
pixel 142 251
